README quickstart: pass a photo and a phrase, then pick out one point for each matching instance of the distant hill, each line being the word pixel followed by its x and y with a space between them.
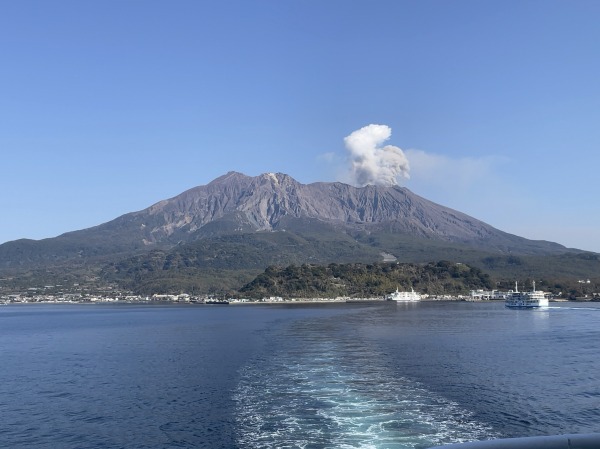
pixel 365 280
pixel 234 227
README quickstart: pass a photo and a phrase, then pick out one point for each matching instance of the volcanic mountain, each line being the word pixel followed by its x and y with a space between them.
pixel 244 222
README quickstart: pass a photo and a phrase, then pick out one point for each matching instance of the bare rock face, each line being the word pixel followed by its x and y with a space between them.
pixel 259 203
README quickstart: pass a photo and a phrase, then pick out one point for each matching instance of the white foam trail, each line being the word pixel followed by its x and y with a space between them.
pixel 573 308
pixel 335 394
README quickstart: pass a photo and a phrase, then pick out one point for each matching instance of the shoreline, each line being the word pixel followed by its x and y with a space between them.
pixel 291 301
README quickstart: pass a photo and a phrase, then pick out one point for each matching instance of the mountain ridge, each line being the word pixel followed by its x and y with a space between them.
pixel 259 204
pixel 235 215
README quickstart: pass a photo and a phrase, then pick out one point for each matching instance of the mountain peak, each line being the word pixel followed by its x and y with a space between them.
pixel 231 176
pixel 276 177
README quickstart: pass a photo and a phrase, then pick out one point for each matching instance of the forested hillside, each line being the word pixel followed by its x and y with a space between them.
pixel 366 280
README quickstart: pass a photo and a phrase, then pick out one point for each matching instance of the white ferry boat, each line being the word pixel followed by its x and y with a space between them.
pixel 410 296
pixel 534 299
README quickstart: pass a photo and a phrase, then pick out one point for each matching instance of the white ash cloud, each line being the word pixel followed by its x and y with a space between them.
pixel 370 163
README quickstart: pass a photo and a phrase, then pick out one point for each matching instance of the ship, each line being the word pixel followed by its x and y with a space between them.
pixel 534 299
pixel 410 296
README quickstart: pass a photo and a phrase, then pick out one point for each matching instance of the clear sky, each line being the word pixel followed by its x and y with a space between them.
pixel 107 107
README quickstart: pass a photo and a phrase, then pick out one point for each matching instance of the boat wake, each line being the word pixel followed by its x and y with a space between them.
pixel 573 308
pixel 322 391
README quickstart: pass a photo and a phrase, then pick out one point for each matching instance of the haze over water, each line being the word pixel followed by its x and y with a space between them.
pixel 319 376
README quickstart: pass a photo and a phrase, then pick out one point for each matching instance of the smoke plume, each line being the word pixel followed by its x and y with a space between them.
pixel 372 164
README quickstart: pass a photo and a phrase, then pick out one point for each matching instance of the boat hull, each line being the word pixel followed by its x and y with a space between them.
pixel 525 307
pixel 526 304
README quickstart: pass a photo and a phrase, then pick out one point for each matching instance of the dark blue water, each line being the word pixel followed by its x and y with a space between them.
pixel 318 376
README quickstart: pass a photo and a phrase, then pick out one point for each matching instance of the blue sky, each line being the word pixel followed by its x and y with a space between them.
pixel 107 107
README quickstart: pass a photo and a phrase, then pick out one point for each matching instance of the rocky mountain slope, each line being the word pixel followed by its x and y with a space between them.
pixel 235 203
pixel 270 202
pixel 242 222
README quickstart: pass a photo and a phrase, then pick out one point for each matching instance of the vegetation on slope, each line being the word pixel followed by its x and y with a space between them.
pixel 226 263
pixel 365 280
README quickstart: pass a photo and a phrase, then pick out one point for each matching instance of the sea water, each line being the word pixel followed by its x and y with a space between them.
pixel 381 375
